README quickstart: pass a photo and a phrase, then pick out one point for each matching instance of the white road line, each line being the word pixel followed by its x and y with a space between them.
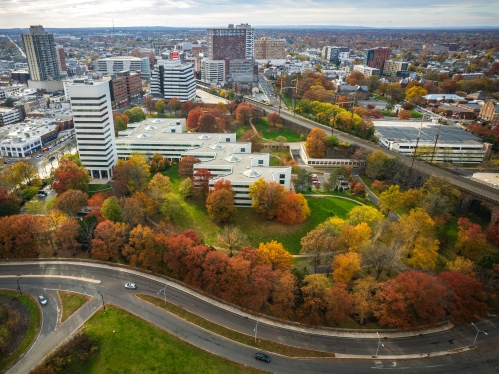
pixel 53 276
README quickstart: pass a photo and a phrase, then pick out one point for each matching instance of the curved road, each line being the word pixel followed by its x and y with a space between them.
pixel 111 287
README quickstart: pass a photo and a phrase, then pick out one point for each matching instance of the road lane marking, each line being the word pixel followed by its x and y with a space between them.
pixel 53 276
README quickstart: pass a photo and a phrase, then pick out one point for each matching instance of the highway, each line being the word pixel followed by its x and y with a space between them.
pixel 464 184
pixel 111 286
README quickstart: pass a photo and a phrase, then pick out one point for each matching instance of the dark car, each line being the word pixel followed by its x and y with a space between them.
pixel 262 357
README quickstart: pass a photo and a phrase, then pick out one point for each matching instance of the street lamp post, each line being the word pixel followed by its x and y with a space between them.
pixel 256 329
pixel 379 342
pixel 19 287
pixel 477 332
pixel 164 291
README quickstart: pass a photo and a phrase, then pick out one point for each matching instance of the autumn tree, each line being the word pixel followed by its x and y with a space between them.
pixel 471 239
pixel 172 206
pixel 371 216
pixel 201 180
pixel 374 163
pixel 461 299
pixel 355 236
pixel 243 113
pixel 111 209
pixel 193 118
pixel 231 238
pixel 133 174
pixel 415 93
pixel 186 166
pixel 439 196
pixel 275 255
pixel 283 296
pixel 109 238
pixel 462 265
pixel 339 304
pixel 267 197
pixel 274 119
pixel 317 243
pixel 133 212
pixel 71 202
pixel 345 265
pixel 141 249
pixel 379 186
pixel 316 143
pixel 69 176
pixel 9 203
pixel 293 208
pixel 185 187
pixel 251 136
pixel 159 186
pixel 20 174
pixel 391 199
pixel 365 301
pixel 214 267
pixel 411 299
pixel 186 107
pixel 207 123
pixel 160 106
pixel 175 104
pixel 149 104
pixel 20 236
pixel 314 304
pixel 404 115
pixel 220 201
pixel 67 234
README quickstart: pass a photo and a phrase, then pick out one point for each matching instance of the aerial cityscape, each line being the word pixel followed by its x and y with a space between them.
pixel 295 188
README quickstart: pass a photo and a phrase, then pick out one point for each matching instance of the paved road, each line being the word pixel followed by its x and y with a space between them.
pixel 113 279
pixel 464 184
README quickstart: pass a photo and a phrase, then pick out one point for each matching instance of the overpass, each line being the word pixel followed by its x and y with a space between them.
pixel 473 192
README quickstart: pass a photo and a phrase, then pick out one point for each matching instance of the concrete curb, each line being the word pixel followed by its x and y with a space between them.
pixel 407 357
pixel 255 317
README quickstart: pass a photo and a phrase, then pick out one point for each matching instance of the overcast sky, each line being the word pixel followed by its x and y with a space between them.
pixel 202 13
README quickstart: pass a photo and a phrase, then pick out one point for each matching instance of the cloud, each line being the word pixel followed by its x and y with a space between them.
pixel 204 13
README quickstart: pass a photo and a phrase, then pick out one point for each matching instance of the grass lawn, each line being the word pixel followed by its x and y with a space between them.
pixel 94 188
pixel 345 194
pixel 240 130
pixel 416 114
pixel 34 327
pixel 128 344
pixel 71 302
pixel 258 229
pixel 271 133
pixel 265 345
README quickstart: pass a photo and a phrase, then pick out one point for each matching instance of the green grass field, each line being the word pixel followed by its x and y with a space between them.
pixel 258 229
pixel 34 326
pixel 271 133
pixel 128 344
pixel 94 188
pixel 71 302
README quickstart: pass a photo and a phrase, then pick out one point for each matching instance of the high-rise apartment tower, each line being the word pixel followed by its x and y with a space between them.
pixel 41 54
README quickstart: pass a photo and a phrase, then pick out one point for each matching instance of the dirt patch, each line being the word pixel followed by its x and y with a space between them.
pixel 353 152
pixel 22 327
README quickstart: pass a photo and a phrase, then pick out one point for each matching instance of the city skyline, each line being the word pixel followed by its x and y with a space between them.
pixel 214 13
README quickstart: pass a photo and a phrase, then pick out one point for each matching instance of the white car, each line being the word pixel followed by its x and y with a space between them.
pixel 131 286
pixel 40 155
pixel 42 300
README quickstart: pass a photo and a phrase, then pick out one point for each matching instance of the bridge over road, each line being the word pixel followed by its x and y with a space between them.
pixel 473 192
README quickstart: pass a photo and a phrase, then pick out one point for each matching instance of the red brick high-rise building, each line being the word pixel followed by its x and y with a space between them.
pixel 376 57
pixel 231 43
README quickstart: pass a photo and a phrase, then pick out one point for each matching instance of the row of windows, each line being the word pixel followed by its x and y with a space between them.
pixel 90 115
pixel 88 98
pixel 101 121
pixel 80 104
pixel 90 110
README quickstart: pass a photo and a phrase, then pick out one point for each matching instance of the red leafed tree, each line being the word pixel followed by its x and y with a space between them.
pixel 19 236
pixel 274 118
pixel 186 108
pixel 461 297
pixel 95 202
pixel 492 233
pixel 67 233
pixel 316 143
pixel 208 123
pixel 340 304
pixel 201 181
pixel 293 209
pixel 220 201
pixel 193 118
pixel 409 300
pixel 214 267
pixel 175 248
pixel 193 263
pixel 71 202
pixel 379 186
pixel 149 104
pixel 258 289
pixel 235 278
pixel 471 239
pixel 141 249
pixel 9 203
pixel 404 115
pixel 186 166
pixel 243 113
pixel 70 176
pixel 109 238
pixel 175 104
pixel 283 296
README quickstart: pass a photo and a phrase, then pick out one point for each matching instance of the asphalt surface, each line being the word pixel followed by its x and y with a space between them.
pixel 113 291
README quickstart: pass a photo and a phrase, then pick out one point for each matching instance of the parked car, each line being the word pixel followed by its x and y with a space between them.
pixel 42 193
pixel 131 286
pixel 40 155
pixel 262 357
pixel 42 300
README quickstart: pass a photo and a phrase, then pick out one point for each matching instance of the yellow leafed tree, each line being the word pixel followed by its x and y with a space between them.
pixel 274 254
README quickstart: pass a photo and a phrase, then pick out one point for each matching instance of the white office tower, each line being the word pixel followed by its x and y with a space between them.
pixel 93 123
pixel 172 78
pixel 212 71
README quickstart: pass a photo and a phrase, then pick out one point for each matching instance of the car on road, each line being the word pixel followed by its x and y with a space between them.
pixel 42 193
pixel 42 300
pixel 131 286
pixel 262 357
pixel 40 155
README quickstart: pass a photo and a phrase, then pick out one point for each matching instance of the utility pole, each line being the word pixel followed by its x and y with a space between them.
pixel 379 342
pixel 280 98
pixel 256 329
pixel 164 291
pixel 416 148
pixel 19 287
pixel 477 332
pixel 436 140
pixel 104 305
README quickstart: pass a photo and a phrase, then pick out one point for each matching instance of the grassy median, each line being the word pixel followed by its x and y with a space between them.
pixel 265 345
pixel 70 303
pixel 128 344
pixel 34 327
